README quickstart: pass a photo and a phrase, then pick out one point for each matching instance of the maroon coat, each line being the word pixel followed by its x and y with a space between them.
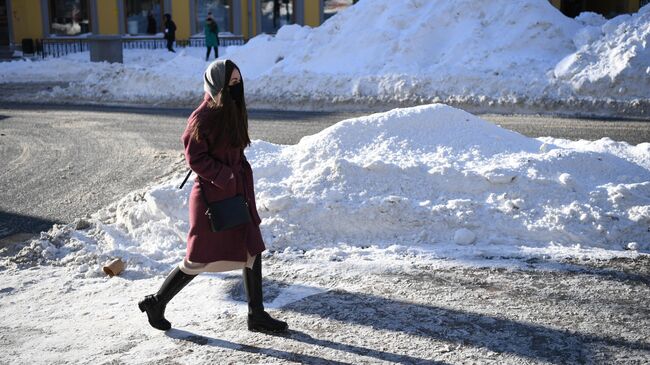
pixel 214 166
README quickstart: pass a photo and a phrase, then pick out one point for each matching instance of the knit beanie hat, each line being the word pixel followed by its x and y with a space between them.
pixel 214 78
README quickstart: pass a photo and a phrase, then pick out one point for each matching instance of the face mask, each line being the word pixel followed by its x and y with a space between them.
pixel 237 92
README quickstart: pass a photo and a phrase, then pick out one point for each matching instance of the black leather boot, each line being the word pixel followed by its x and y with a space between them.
pixel 258 319
pixel 155 304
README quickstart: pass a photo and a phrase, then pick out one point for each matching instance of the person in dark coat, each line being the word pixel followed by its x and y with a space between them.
pixel 211 30
pixel 170 32
pixel 214 140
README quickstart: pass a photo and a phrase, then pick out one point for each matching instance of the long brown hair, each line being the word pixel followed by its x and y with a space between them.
pixel 226 119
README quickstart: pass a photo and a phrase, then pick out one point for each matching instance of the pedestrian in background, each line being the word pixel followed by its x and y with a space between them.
pixel 214 139
pixel 211 30
pixel 170 32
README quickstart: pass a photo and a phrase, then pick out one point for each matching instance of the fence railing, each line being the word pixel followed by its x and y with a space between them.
pixel 61 47
pixel 58 47
pixel 224 41
pixel 148 43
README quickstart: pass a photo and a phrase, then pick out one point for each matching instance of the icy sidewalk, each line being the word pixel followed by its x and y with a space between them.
pixel 504 312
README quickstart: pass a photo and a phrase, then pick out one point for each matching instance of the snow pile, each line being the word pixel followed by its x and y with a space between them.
pixel 77 66
pixel 434 174
pixel 172 77
pixel 64 69
pixel 148 230
pixel 613 57
pixel 428 181
pixel 522 55
pixel 151 76
pixel 390 50
pixel 460 51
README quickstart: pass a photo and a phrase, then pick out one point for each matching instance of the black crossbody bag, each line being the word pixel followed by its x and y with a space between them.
pixel 225 214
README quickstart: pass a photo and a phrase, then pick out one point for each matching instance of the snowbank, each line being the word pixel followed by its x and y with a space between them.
pixel 501 52
pixel 148 76
pixel 612 60
pixel 419 49
pixel 523 54
pixel 423 182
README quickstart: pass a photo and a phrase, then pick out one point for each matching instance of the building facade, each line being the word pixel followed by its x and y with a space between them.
pixel 38 19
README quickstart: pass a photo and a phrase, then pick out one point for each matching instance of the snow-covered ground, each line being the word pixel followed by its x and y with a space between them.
pixel 364 312
pixel 400 237
pixel 523 55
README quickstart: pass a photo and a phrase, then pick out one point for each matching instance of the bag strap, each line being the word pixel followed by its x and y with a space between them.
pixel 186 177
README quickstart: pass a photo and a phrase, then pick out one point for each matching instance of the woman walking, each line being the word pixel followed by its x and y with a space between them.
pixel 170 32
pixel 214 139
pixel 211 30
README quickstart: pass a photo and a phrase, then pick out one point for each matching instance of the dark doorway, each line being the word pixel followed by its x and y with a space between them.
pixel 221 13
pixel 607 8
pixel 276 13
pixel 137 20
pixel 4 24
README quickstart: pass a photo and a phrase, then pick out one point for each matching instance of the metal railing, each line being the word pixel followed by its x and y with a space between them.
pixel 224 41
pixel 58 47
pixel 61 47
pixel 147 43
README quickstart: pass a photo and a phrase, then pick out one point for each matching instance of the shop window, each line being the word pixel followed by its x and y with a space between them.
pixel 275 14
pixel 331 7
pixel 144 16
pixel 69 17
pixel 220 10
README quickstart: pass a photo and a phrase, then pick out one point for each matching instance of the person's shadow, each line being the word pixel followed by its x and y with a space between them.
pixel 296 357
pixel 498 334
pixel 495 333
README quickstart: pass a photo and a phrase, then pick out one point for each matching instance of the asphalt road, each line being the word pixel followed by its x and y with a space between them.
pixel 58 163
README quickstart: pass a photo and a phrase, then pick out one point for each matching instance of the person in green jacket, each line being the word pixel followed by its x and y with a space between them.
pixel 211 30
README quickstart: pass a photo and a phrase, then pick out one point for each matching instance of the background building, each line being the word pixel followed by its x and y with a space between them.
pixel 38 19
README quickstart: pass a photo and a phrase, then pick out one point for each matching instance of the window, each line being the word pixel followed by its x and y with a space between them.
pixel 334 6
pixel 143 16
pixel 275 14
pixel 69 17
pixel 221 11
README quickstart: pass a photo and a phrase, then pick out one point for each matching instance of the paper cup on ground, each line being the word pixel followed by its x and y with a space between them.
pixel 114 267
